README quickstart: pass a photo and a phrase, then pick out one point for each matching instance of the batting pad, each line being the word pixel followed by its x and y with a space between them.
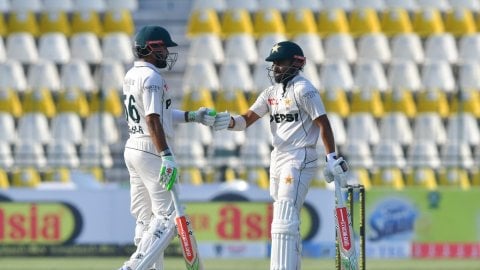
pixel 154 241
pixel 286 249
pixel 139 231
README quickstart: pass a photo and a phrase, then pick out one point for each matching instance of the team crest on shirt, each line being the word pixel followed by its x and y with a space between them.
pixel 272 101
pixel 287 102
pixel 288 179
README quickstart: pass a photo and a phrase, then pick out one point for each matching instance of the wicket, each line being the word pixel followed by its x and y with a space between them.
pixel 351 191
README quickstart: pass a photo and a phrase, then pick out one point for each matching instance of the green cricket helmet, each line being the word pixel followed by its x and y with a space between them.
pixel 153 39
pixel 152 33
pixel 285 50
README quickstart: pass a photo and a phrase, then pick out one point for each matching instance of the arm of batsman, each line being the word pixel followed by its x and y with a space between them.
pixel 336 169
pixel 222 120
pixel 204 116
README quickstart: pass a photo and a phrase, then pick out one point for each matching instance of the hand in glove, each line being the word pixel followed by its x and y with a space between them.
pixel 168 172
pixel 202 115
pixel 222 120
pixel 336 168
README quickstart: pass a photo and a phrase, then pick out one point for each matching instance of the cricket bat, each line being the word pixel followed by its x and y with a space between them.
pixel 185 234
pixel 346 242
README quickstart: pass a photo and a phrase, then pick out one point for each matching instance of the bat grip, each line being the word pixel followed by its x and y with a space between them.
pixel 176 202
pixel 338 194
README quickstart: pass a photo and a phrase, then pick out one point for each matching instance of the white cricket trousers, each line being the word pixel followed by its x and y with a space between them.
pixel 291 173
pixel 147 196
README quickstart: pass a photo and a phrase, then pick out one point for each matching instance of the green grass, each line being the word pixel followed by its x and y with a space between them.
pixel 113 263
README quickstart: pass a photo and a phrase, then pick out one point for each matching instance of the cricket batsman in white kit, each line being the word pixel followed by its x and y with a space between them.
pixel 148 151
pixel 297 119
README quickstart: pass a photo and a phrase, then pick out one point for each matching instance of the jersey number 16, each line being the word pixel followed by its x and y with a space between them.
pixel 131 111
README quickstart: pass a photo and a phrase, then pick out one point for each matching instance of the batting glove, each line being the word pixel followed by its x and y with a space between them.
pixel 203 115
pixel 222 120
pixel 168 172
pixel 336 169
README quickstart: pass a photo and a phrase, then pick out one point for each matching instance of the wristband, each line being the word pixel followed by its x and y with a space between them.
pixel 331 156
pixel 239 123
pixel 233 122
pixel 166 152
pixel 191 116
pixel 186 116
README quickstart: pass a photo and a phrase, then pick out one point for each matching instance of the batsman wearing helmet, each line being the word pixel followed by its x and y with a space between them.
pixel 148 151
pixel 297 119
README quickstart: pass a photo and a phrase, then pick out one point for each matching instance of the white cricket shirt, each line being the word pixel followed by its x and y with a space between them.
pixel 291 113
pixel 146 92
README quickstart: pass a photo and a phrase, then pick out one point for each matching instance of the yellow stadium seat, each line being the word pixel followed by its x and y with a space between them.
pixel 268 21
pixel 460 22
pixel 106 101
pixel 236 21
pixel 118 21
pixel 24 21
pixel 97 172
pixel 203 21
pixel 332 21
pixel 367 101
pixel 252 96
pixel 3 26
pixel 222 174
pixel 26 177
pixel 300 21
pixel 421 177
pixel 10 102
pixel 364 21
pixel 39 100
pixel 230 175
pixel 57 175
pixel 4 184
pixel 399 100
pixel 232 101
pixel 433 101
pixel 191 175
pixel 54 21
pixel 388 177
pixel 476 178
pixel 192 100
pixel 86 21
pixel 427 22
pixel 467 100
pixel 395 21
pixel 477 22
pixel 256 176
pixel 361 176
pixel 335 100
pixel 456 177
pixel 72 100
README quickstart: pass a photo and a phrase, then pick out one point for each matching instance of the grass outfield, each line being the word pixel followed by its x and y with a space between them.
pixel 101 263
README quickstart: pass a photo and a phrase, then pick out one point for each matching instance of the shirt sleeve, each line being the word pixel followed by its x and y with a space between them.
pixel 311 101
pixel 260 106
pixel 153 94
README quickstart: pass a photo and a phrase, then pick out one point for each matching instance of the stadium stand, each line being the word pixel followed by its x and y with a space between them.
pixel 390 72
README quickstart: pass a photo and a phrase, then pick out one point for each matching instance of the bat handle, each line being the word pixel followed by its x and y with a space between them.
pixel 176 202
pixel 338 194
